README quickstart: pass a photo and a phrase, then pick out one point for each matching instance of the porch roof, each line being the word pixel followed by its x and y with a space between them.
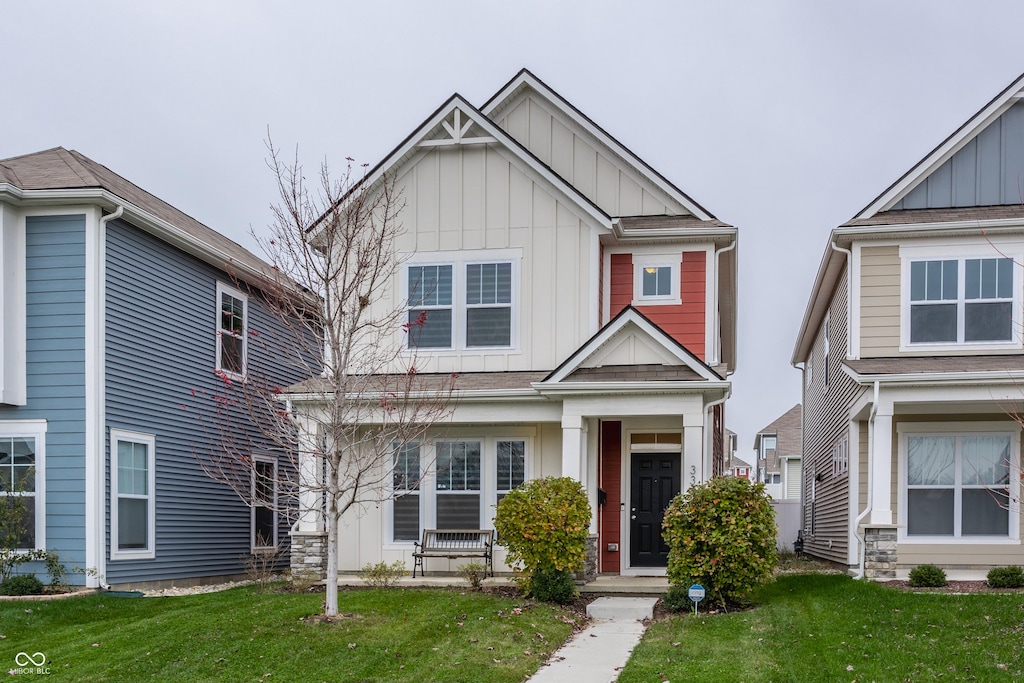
pixel 932 365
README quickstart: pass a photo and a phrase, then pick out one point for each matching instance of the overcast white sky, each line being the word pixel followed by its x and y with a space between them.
pixel 782 118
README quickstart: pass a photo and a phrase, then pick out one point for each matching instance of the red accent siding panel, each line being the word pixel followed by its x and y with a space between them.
pixel 610 481
pixel 684 323
pixel 600 286
pixel 621 283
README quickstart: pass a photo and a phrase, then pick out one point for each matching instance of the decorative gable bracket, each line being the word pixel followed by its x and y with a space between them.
pixel 459 133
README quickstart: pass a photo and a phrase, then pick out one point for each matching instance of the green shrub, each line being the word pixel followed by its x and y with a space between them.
pixel 544 525
pixel 1006 577
pixel 721 534
pixel 22 584
pixel 474 573
pixel 677 599
pixel 927 576
pixel 382 575
pixel 553 585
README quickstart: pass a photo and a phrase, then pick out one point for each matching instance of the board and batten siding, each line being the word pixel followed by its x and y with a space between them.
pixel 161 321
pixel 984 172
pixel 825 420
pixel 55 358
pixel 580 159
pixel 474 198
pixel 879 301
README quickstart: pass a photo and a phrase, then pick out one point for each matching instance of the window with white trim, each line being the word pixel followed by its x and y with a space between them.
pixel 958 485
pixel 453 483
pixel 22 482
pixel 961 301
pixel 458 484
pixel 466 305
pixel 656 279
pixel 406 489
pixel 263 520
pixel 133 499
pixel 232 328
pixel 841 456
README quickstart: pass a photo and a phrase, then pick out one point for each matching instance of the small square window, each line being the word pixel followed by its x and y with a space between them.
pixel 657 281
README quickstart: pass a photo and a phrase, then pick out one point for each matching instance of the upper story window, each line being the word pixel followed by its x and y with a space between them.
pixel 232 327
pixel 461 305
pixel 656 280
pixel 968 296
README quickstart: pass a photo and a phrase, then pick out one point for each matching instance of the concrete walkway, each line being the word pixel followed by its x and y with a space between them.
pixel 598 652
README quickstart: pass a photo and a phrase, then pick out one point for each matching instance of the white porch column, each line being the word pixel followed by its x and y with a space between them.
pixel 693 449
pixel 590 468
pixel 881 466
pixel 309 479
pixel 574 429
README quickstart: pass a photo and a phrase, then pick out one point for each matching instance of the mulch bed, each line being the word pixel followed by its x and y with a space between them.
pixel 958 587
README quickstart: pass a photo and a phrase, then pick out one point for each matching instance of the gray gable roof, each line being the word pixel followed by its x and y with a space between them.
pixel 62 169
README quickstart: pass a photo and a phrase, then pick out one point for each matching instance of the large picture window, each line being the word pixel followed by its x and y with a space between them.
pixel 958 485
pixel 460 305
pixel 453 483
pixel 22 482
pixel 132 503
pixel 961 301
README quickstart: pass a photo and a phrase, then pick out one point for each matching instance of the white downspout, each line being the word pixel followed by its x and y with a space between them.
pixel 97 466
pixel 716 333
pixel 709 443
pixel 867 509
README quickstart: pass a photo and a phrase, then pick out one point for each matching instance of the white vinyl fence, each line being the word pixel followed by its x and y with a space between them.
pixel 787 519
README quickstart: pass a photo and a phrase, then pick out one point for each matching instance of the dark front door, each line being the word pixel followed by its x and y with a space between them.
pixel 655 481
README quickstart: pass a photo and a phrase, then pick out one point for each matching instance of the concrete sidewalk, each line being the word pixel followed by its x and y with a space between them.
pixel 598 652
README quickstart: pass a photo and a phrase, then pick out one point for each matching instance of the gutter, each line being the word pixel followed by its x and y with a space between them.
pixel 716 340
pixel 849 295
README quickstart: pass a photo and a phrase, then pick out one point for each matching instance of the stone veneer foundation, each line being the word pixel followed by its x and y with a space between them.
pixel 880 552
pixel 309 555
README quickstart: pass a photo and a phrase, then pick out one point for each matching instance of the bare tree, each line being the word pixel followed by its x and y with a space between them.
pixel 338 320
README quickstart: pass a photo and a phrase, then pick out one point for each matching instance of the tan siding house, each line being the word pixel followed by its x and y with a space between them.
pixel 929 369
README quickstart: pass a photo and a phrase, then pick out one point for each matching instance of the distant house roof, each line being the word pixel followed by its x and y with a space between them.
pixel 60 175
pixel 788 429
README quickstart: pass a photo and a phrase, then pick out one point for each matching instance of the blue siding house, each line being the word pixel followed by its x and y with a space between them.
pixel 115 307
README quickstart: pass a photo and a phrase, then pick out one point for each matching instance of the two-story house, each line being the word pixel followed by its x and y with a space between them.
pixel 588 307
pixel 115 307
pixel 778 451
pixel 911 352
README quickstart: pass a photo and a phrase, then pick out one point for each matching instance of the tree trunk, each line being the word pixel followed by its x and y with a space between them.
pixel 331 596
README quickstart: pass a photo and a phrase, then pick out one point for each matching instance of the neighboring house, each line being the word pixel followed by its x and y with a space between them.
pixel 778 448
pixel 115 306
pixel 735 466
pixel 611 333
pixel 911 353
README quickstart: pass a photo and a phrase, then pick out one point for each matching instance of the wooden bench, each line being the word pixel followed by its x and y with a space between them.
pixel 453 543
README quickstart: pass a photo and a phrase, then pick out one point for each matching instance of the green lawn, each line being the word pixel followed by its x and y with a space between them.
pixel 244 635
pixel 821 627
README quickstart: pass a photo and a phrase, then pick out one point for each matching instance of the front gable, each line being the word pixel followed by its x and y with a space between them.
pixel 980 164
pixel 596 164
pixel 630 348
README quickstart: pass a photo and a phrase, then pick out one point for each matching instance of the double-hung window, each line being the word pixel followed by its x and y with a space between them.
pixel 511 466
pixel 488 304
pixel 232 321
pixel 132 500
pixel 959 485
pixel 961 301
pixel 458 484
pixel 406 491
pixel 460 305
pixel 263 522
pixel 22 483
pixel 430 307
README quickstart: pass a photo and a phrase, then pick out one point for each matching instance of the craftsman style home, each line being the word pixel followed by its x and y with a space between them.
pixel 588 308
pixel 116 307
pixel 913 359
